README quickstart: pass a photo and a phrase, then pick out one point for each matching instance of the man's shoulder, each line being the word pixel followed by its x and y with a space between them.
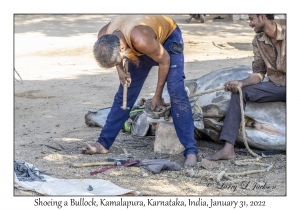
pixel 141 32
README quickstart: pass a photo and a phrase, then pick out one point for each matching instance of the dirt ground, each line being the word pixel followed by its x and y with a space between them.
pixel 61 82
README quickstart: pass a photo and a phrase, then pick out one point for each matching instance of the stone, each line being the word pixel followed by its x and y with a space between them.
pixel 207 164
pixel 145 175
pixel 166 140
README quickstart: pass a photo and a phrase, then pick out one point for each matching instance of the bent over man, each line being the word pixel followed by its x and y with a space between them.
pixel 146 41
pixel 269 48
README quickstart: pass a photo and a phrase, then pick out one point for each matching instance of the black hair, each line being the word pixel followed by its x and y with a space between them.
pixel 269 16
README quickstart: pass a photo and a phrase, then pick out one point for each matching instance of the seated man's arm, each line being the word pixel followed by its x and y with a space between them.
pixel 259 70
pixel 253 79
pixel 258 65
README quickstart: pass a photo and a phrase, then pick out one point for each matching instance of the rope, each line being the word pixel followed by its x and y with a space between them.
pixel 242 115
pixel 245 163
pixel 167 107
pixel 243 123
pixel 229 176
pixel 206 92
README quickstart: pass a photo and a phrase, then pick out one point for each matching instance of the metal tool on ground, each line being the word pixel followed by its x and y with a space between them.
pixel 51 147
pixel 69 152
pixel 106 163
pixel 125 89
pixel 129 155
pixel 62 148
pixel 112 161
pixel 118 159
pixel 131 163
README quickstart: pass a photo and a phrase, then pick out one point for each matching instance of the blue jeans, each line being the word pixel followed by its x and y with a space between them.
pixel 180 106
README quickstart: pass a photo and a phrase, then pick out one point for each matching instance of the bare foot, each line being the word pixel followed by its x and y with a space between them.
pixel 191 160
pixel 97 148
pixel 226 153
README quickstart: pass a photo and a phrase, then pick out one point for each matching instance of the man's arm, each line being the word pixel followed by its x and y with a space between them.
pixel 124 77
pixel 253 79
pixel 143 40
pixel 103 30
pixel 258 65
pixel 259 70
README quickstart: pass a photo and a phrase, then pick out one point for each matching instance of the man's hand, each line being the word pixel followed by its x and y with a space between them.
pixel 253 79
pixel 158 104
pixel 124 77
pixel 232 85
pixel 144 41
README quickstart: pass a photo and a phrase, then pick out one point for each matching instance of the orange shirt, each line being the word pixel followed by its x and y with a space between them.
pixel 162 26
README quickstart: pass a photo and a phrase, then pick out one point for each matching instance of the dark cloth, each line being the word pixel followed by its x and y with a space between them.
pixel 180 106
pixel 271 59
pixel 25 172
pixel 157 165
pixel 261 92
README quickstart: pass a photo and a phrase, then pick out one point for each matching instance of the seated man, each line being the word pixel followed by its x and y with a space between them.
pixel 269 48
pixel 146 41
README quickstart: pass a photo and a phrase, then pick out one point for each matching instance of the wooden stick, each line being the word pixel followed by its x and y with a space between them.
pixel 78 165
pixel 125 88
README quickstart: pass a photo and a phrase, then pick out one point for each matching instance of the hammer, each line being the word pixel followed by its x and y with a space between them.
pixel 79 165
pixel 110 162
pixel 124 107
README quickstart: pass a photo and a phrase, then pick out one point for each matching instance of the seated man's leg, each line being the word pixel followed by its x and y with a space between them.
pixel 117 116
pixel 261 92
